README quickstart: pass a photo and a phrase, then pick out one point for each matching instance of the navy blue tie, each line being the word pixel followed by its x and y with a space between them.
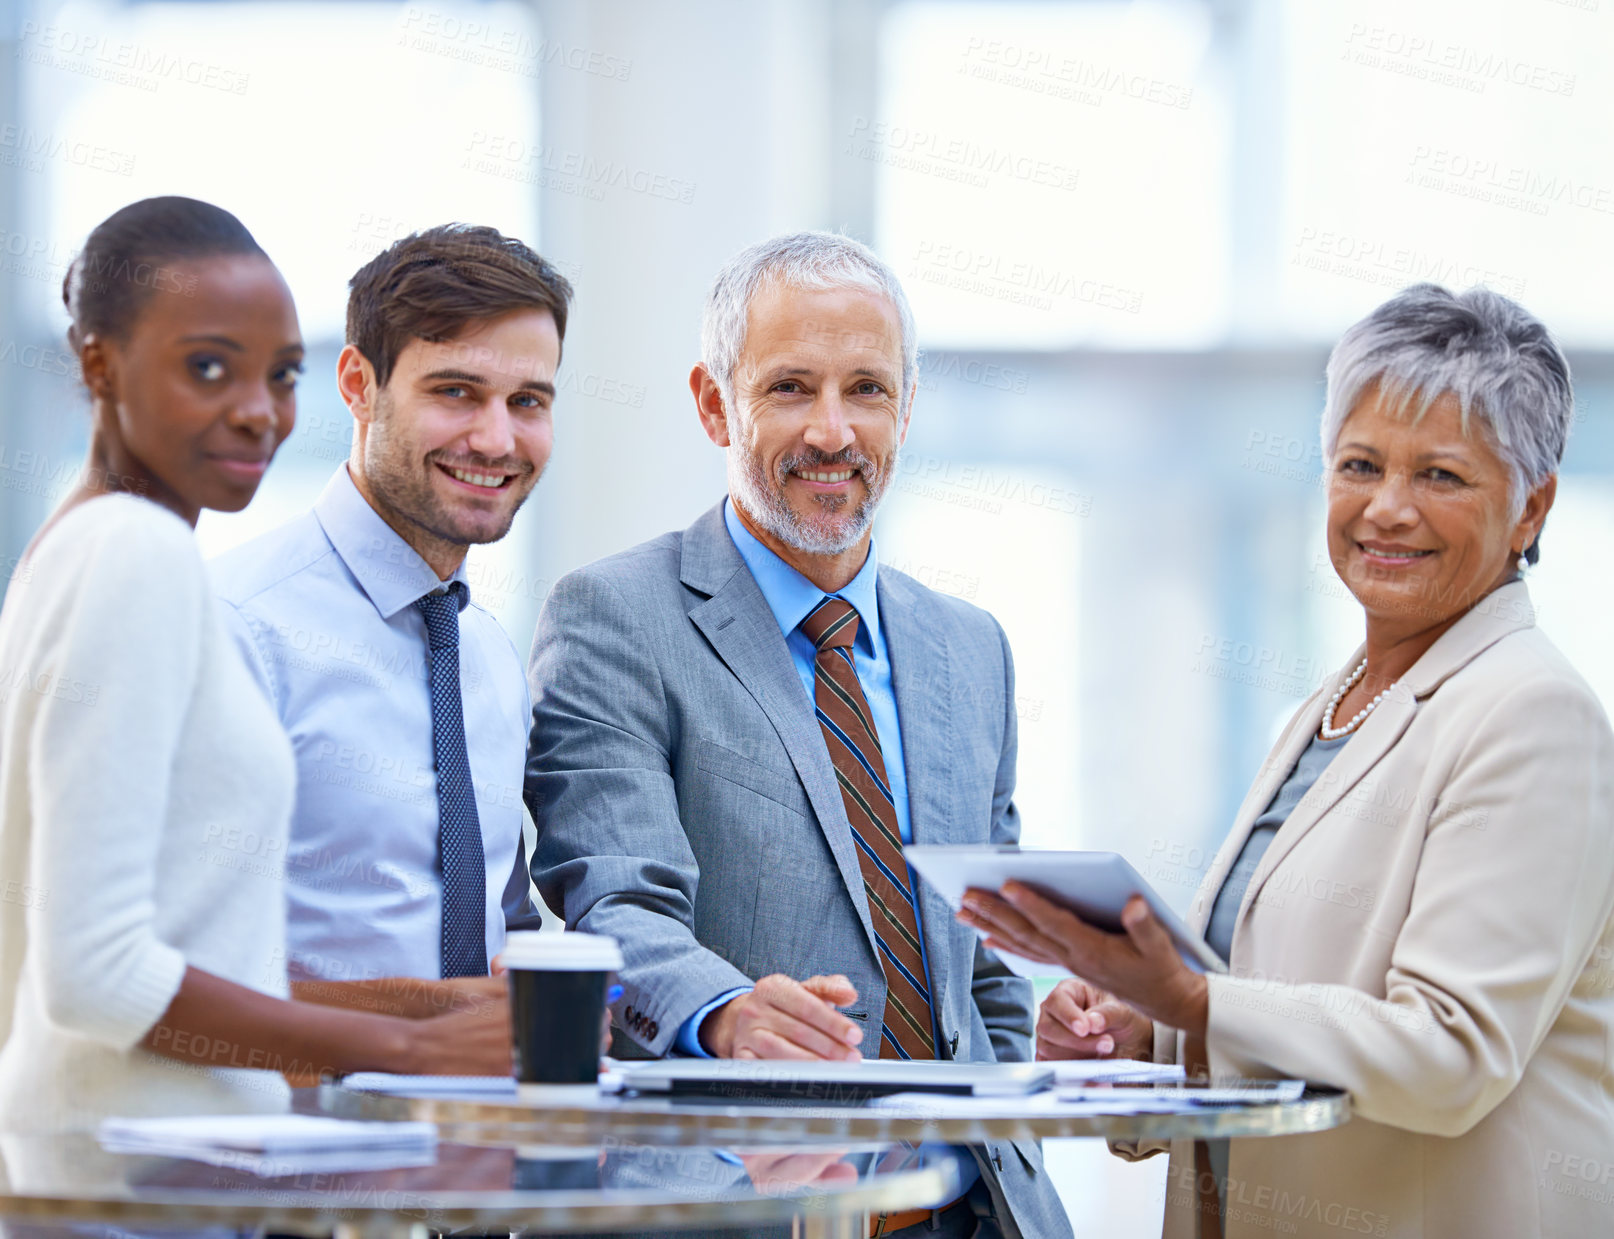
pixel 459 831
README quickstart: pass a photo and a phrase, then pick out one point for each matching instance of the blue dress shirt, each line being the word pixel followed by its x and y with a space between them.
pixel 791 597
pixel 323 611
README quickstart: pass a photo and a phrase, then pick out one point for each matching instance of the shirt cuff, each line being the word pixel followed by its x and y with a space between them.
pixel 688 1040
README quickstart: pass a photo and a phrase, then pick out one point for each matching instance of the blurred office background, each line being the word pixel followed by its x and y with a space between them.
pixel 1130 232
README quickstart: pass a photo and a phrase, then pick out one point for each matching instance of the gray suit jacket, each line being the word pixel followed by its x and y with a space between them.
pixel 686 804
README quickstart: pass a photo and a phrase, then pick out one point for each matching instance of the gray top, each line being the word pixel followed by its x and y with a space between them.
pixel 1224 913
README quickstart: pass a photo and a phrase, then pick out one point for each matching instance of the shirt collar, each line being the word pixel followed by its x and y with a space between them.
pixel 791 597
pixel 389 571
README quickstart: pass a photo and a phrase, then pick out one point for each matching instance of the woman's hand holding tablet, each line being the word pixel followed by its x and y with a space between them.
pixel 1087 913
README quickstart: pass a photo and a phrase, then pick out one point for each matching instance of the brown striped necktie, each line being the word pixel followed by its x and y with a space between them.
pixel 854 750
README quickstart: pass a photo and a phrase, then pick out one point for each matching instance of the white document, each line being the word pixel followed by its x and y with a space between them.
pixel 1246 1092
pixel 1106 1070
pixel 1094 885
pixel 275 1144
pixel 1167 1097
pixel 932 1106
pixel 430 1086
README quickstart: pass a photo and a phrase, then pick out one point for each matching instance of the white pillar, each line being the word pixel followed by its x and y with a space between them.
pixel 701 127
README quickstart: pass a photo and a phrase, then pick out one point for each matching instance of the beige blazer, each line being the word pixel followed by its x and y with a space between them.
pixel 1432 930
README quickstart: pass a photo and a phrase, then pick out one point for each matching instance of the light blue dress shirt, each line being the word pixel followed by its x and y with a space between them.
pixel 791 597
pixel 323 611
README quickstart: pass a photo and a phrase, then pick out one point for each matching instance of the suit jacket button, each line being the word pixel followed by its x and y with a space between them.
pixel 655 1029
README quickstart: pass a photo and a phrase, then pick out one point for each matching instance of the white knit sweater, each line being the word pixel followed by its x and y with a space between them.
pixel 146 788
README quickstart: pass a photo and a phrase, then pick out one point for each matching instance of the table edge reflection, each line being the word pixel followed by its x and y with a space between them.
pixel 479 1121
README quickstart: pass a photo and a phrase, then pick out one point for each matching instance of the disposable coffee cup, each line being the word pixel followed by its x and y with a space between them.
pixel 558 983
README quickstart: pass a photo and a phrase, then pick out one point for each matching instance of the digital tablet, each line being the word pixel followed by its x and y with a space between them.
pixel 1094 885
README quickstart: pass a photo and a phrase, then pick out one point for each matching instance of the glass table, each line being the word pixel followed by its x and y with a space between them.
pixel 70 1186
pixel 814 1116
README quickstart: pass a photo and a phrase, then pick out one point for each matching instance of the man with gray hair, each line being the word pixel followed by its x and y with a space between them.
pixel 737 727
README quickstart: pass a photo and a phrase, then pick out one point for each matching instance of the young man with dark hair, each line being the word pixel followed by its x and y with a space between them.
pixel 405 701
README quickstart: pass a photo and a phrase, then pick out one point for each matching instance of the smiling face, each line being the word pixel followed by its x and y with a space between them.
pixel 193 403
pixel 819 415
pixel 1419 521
pixel 452 446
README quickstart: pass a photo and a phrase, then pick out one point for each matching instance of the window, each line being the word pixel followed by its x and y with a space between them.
pixel 1451 142
pixel 1052 174
pixel 331 129
pixel 1571 587
pixel 1007 539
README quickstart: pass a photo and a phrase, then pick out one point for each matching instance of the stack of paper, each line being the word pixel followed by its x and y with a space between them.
pixel 1062 1103
pixel 1083 1089
pixel 1109 1070
pixel 1196 1092
pixel 275 1144
pixel 430 1086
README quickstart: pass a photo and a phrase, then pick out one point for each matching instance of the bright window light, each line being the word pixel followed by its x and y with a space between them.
pixel 1008 539
pixel 1052 174
pixel 1448 141
pixel 331 129
pixel 1571 586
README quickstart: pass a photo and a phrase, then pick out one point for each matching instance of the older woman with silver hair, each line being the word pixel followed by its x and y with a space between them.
pixel 1416 899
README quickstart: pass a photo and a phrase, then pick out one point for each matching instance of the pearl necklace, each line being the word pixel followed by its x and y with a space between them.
pixel 1328 730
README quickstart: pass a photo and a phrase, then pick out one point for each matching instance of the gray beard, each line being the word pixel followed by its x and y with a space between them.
pixel 763 498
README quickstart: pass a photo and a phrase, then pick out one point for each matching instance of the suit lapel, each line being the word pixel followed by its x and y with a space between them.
pixel 1375 738
pixel 1503 611
pixel 922 679
pixel 736 620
